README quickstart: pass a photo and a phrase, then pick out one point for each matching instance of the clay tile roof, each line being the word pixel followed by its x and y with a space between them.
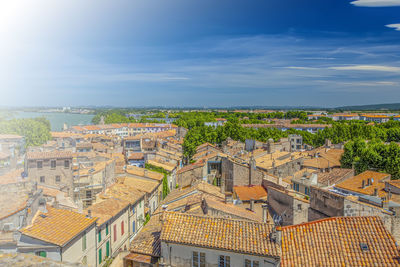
pixel 354 184
pixel 147 241
pixel 142 172
pixel 57 226
pixel 136 156
pixel 124 192
pixel 246 193
pixel 49 155
pixel 334 176
pixel 10 136
pixel 239 236
pixel 337 242
pixel 107 209
pixel 190 167
pixel 146 186
pixel 230 208
pixel 165 165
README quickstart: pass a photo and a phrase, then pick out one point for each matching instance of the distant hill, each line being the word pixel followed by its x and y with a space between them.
pixel 393 106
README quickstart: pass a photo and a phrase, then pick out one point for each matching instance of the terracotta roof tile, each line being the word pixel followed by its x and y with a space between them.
pixel 337 242
pixel 219 233
pixel 58 226
pixel 49 155
pixel 354 184
pixel 246 193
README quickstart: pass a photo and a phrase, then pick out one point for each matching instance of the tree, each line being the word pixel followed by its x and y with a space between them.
pixel 165 187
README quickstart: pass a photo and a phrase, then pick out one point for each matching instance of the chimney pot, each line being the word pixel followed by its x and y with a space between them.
pixel 89 214
pixel 265 213
pixel 363 184
pixel 252 204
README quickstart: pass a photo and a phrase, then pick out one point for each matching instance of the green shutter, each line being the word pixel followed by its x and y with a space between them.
pixel 43 254
pixel 106 229
pixel 99 236
pixel 108 249
pixel 100 256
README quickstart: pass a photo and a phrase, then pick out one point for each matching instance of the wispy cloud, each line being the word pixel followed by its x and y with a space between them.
pixel 394 26
pixel 376 3
pixel 367 68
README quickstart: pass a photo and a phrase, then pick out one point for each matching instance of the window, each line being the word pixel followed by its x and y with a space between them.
pixel 84 242
pixel 298 206
pixel 39 164
pixel 224 261
pixel 100 256
pixel 250 263
pixel 106 229
pixel 306 191
pixel 41 254
pixel 122 228
pixel 198 259
pixel 99 236
pixel 42 180
pixel 133 210
pixel 53 164
pixel 133 227
pixel 115 232
pixel 58 178
pixel 66 163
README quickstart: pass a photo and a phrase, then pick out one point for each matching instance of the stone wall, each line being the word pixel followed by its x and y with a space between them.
pixel 291 209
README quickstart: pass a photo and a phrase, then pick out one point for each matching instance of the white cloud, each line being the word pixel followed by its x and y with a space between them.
pixel 394 26
pixel 299 68
pixel 367 68
pixel 376 3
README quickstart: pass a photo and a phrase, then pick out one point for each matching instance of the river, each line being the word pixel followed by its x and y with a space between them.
pixel 57 119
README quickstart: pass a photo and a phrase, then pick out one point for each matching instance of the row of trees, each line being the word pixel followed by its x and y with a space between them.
pixel 372 155
pixel 165 187
pixel 36 131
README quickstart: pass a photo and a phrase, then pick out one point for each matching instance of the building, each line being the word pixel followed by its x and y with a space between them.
pixel 378 118
pixel 53 168
pixel 60 235
pixel 112 227
pixel 12 147
pixel 287 206
pixel 339 241
pixel 152 190
pixel 136 159
pixel 344 116
pixel 136 199
pixel 191 240
pixel 324 204
pixel 368 183
pixel 323 159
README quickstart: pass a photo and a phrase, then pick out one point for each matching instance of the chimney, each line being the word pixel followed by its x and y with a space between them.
pixel 276 235
pixel 375 191
pixel 55 204
pixel 265 213
pixel 89 214
pixel 389 195
pixel 385 204
pixel 164 208
pixel 228 198
pixel 279 180
pixel 252 204
pixel 363 184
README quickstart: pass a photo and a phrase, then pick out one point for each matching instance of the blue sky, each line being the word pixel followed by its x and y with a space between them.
pixel 199 53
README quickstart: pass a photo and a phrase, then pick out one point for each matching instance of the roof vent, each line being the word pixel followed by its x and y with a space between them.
pixel 364 247
pixel 43 216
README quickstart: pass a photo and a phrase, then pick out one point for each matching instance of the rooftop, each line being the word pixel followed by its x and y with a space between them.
pixel 333 176
pixel 142 172
pixel 355 183
pixel 246 193
pixel 57 226
pixel 339 242
pixel 219 233
pixel 107 209
pixel 146 186
pixel 147 241
pixel 49 155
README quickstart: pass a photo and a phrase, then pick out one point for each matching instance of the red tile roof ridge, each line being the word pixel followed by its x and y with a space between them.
pixel 327 219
